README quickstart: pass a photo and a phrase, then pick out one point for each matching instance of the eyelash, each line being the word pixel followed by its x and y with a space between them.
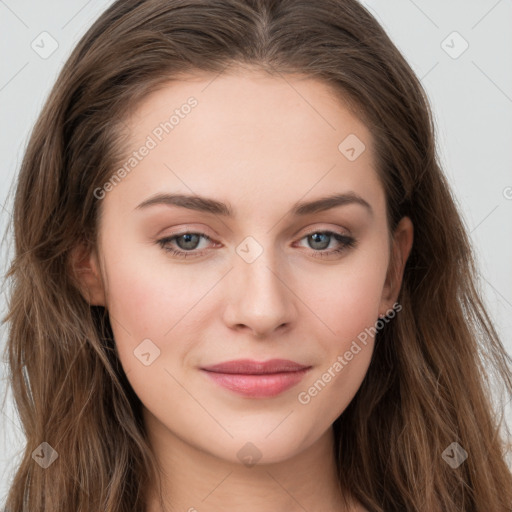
pixel 346 241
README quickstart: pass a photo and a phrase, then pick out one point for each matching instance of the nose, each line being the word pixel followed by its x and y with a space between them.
pixel 259 298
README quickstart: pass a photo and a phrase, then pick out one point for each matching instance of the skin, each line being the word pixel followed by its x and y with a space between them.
pixel 260 144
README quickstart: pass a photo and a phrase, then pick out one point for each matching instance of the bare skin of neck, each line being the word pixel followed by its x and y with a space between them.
pixel 195 481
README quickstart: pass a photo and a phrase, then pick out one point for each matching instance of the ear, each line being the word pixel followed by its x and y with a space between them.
pixel 402 244
pixel 86 273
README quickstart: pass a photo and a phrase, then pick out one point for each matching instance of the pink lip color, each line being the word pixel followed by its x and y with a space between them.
pixel 257 379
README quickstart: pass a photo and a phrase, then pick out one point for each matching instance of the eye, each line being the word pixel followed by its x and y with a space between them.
pixel 320 241
pixel 185 245
pixel 186 242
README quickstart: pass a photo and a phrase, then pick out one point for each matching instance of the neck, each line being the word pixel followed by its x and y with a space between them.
pixel 193 480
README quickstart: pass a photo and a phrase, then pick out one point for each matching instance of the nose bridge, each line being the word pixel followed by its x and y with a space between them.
pixel 260 298
pixel 260 276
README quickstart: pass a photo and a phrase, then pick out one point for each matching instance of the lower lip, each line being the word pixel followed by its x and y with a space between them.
pixel 258 386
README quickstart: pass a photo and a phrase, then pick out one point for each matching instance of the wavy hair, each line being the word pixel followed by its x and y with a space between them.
pixel 434 368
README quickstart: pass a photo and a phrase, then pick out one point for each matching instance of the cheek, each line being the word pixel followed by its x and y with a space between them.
pixel 348 303
pixel 139 300
pixel 347 297
pixel 148 301
pixel 351 314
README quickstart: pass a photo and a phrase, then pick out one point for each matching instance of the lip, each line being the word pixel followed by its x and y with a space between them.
pixel 256 379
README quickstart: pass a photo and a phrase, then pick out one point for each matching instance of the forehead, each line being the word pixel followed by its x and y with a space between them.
pixel 250 137
pixel 253 100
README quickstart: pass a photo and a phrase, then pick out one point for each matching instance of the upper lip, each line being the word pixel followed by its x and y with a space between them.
pixel 250 367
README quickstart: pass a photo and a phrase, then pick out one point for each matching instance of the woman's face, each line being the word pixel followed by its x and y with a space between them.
pixel 260 276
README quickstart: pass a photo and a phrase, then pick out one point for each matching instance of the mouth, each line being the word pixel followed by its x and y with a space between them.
pixel 255 379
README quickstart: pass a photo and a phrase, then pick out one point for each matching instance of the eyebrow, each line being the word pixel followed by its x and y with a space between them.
pixel 208 205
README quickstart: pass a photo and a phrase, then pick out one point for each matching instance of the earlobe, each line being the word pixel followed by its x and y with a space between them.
pixel 86 274
pixel 402 244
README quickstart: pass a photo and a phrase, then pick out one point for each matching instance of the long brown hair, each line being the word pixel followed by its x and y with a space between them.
pixel 435 366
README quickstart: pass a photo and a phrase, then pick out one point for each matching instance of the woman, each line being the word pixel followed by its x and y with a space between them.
pixel 241 281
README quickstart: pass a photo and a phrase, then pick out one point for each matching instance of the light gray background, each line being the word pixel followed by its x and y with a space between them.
pixel 471 97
